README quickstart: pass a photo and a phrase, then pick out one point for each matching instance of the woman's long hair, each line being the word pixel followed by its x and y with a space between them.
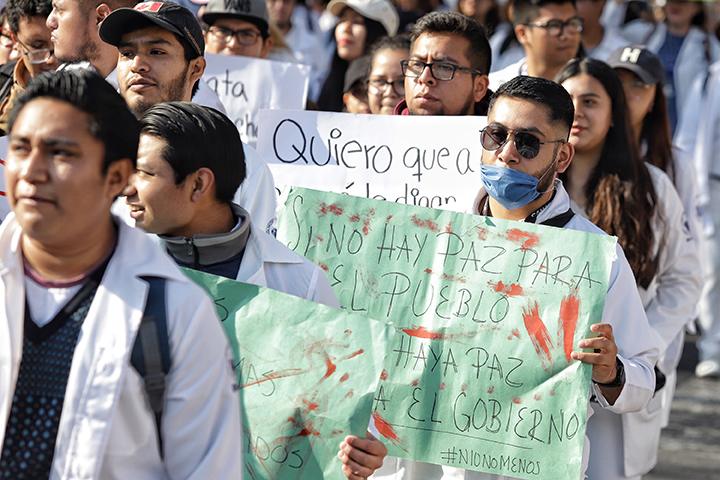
pixel 620 195
pixel 655 135
pixel 331 94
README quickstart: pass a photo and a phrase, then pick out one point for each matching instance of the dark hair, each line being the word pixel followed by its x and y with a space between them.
pixel 195 137
pixel 397 42
pixel 109 118
pixel 655 134
pixel 525 11
pixel 620 195
pixel 19 9
pixel 492 18
pixel 331 93
pixel 542 92
pixel 455 23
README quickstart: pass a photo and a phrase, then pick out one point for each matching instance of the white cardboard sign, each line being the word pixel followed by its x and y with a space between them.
pixel 245 85
pixel 416 160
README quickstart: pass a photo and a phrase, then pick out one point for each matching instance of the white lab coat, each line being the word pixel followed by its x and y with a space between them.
pixel 669 302
pixel 636 349
pixel 107 430
pixel 508 73
pixel 257 192
pixel 268 263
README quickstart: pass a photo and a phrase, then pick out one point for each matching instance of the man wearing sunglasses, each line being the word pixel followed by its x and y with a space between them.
pixel 446 73
pixel 26 19
pixel 238 28
pixel 549 31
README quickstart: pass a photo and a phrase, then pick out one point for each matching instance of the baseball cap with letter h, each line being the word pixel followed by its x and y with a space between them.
pixel 168 15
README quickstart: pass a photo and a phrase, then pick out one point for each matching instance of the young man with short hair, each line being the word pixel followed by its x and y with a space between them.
pixel 26 19
pixel 549 31
pixel 75 282
pixel 447 72
pixel 525 145
pixel 238 27
pixel 161 48
pixel 187 171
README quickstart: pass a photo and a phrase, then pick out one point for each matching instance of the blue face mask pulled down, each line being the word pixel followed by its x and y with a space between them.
pixel 512 189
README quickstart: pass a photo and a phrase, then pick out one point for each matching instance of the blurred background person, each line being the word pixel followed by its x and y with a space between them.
pixel 355 91
pixel 361 24
pixel 485 12
pixel 685 48
pixel 597 40
pixel 610 184
pixel 8 51
pixel 386 82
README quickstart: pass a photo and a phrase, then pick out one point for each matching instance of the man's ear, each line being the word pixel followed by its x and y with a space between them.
pixel 565 156
pixel 197 68
pixel 203 183
pixel 521 32
pixel 481 86
pixel 267 45
pixel 101 12
pixel 117 176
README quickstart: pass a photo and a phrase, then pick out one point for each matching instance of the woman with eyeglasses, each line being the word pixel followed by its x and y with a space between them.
pixel 361 24
pixel 386 83
pixel 610 184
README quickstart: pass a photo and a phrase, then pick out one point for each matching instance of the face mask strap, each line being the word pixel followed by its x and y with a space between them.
pixel 546 171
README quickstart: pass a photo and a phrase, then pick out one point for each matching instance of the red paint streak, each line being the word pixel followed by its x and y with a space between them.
pixel 387 220
pixel 331 367
pixel 347 332
pixel 355 218
pixel 491 389
pixel 384 375
pixel 311 405
pixel 415 382
pixel 337 432
pixel 320 239
pixel 529 239
pixel 537 398
pixel 509 290
pixel 516 332
pixel 452 278
pixel 442 386
pixel 464 387
pixel 569 309
pixel 366 227
pixel 334 209
pixel 538 333
pixel 481 233
pixel 350 394
pixel 422 332
pixel 274 376
pixel 428 271
pixel 291 419
pixel 353 355
pixel 552 393
pixel 345 377
pixel 448 228
pixel 517 401
pixel 429 224
pixel 307 431
pixel 385 429
pixel 323 266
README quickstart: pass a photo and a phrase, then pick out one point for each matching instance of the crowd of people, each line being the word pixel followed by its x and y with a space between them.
pixel 601 117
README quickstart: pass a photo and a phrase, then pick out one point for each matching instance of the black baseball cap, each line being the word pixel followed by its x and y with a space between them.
pixel 641 61
pixel 167 15
pixel 358 71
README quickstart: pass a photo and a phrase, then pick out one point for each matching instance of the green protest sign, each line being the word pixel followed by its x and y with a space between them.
pixel 307 374
pixel 487 313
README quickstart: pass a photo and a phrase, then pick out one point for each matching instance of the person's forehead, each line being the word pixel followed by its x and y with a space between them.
pixel 53 120
pixel 33 25
pixel 522 115
pixel 441 47
pixel 556 11
pixel 236 24
pixel 151 35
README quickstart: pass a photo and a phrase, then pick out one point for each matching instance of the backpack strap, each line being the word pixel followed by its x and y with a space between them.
pixel 561 220
pixel 151 351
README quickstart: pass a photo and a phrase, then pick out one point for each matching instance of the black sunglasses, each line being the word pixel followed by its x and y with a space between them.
pixel 527 144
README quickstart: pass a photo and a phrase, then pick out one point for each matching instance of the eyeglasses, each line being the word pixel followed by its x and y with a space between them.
pixel 527 144
pixel 245 36
pixel 438 70
pixel 378 86
pixel 555 27
pixel 6 40
pixel 38 56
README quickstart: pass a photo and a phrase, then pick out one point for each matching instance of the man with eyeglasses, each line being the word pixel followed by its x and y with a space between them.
pixel 238 27
pixel 26 20
pixel 549 32
pixel 446 73
pixel 524 147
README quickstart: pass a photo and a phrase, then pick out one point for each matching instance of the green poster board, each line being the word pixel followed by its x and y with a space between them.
pixel 307 374
pixel 487 312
